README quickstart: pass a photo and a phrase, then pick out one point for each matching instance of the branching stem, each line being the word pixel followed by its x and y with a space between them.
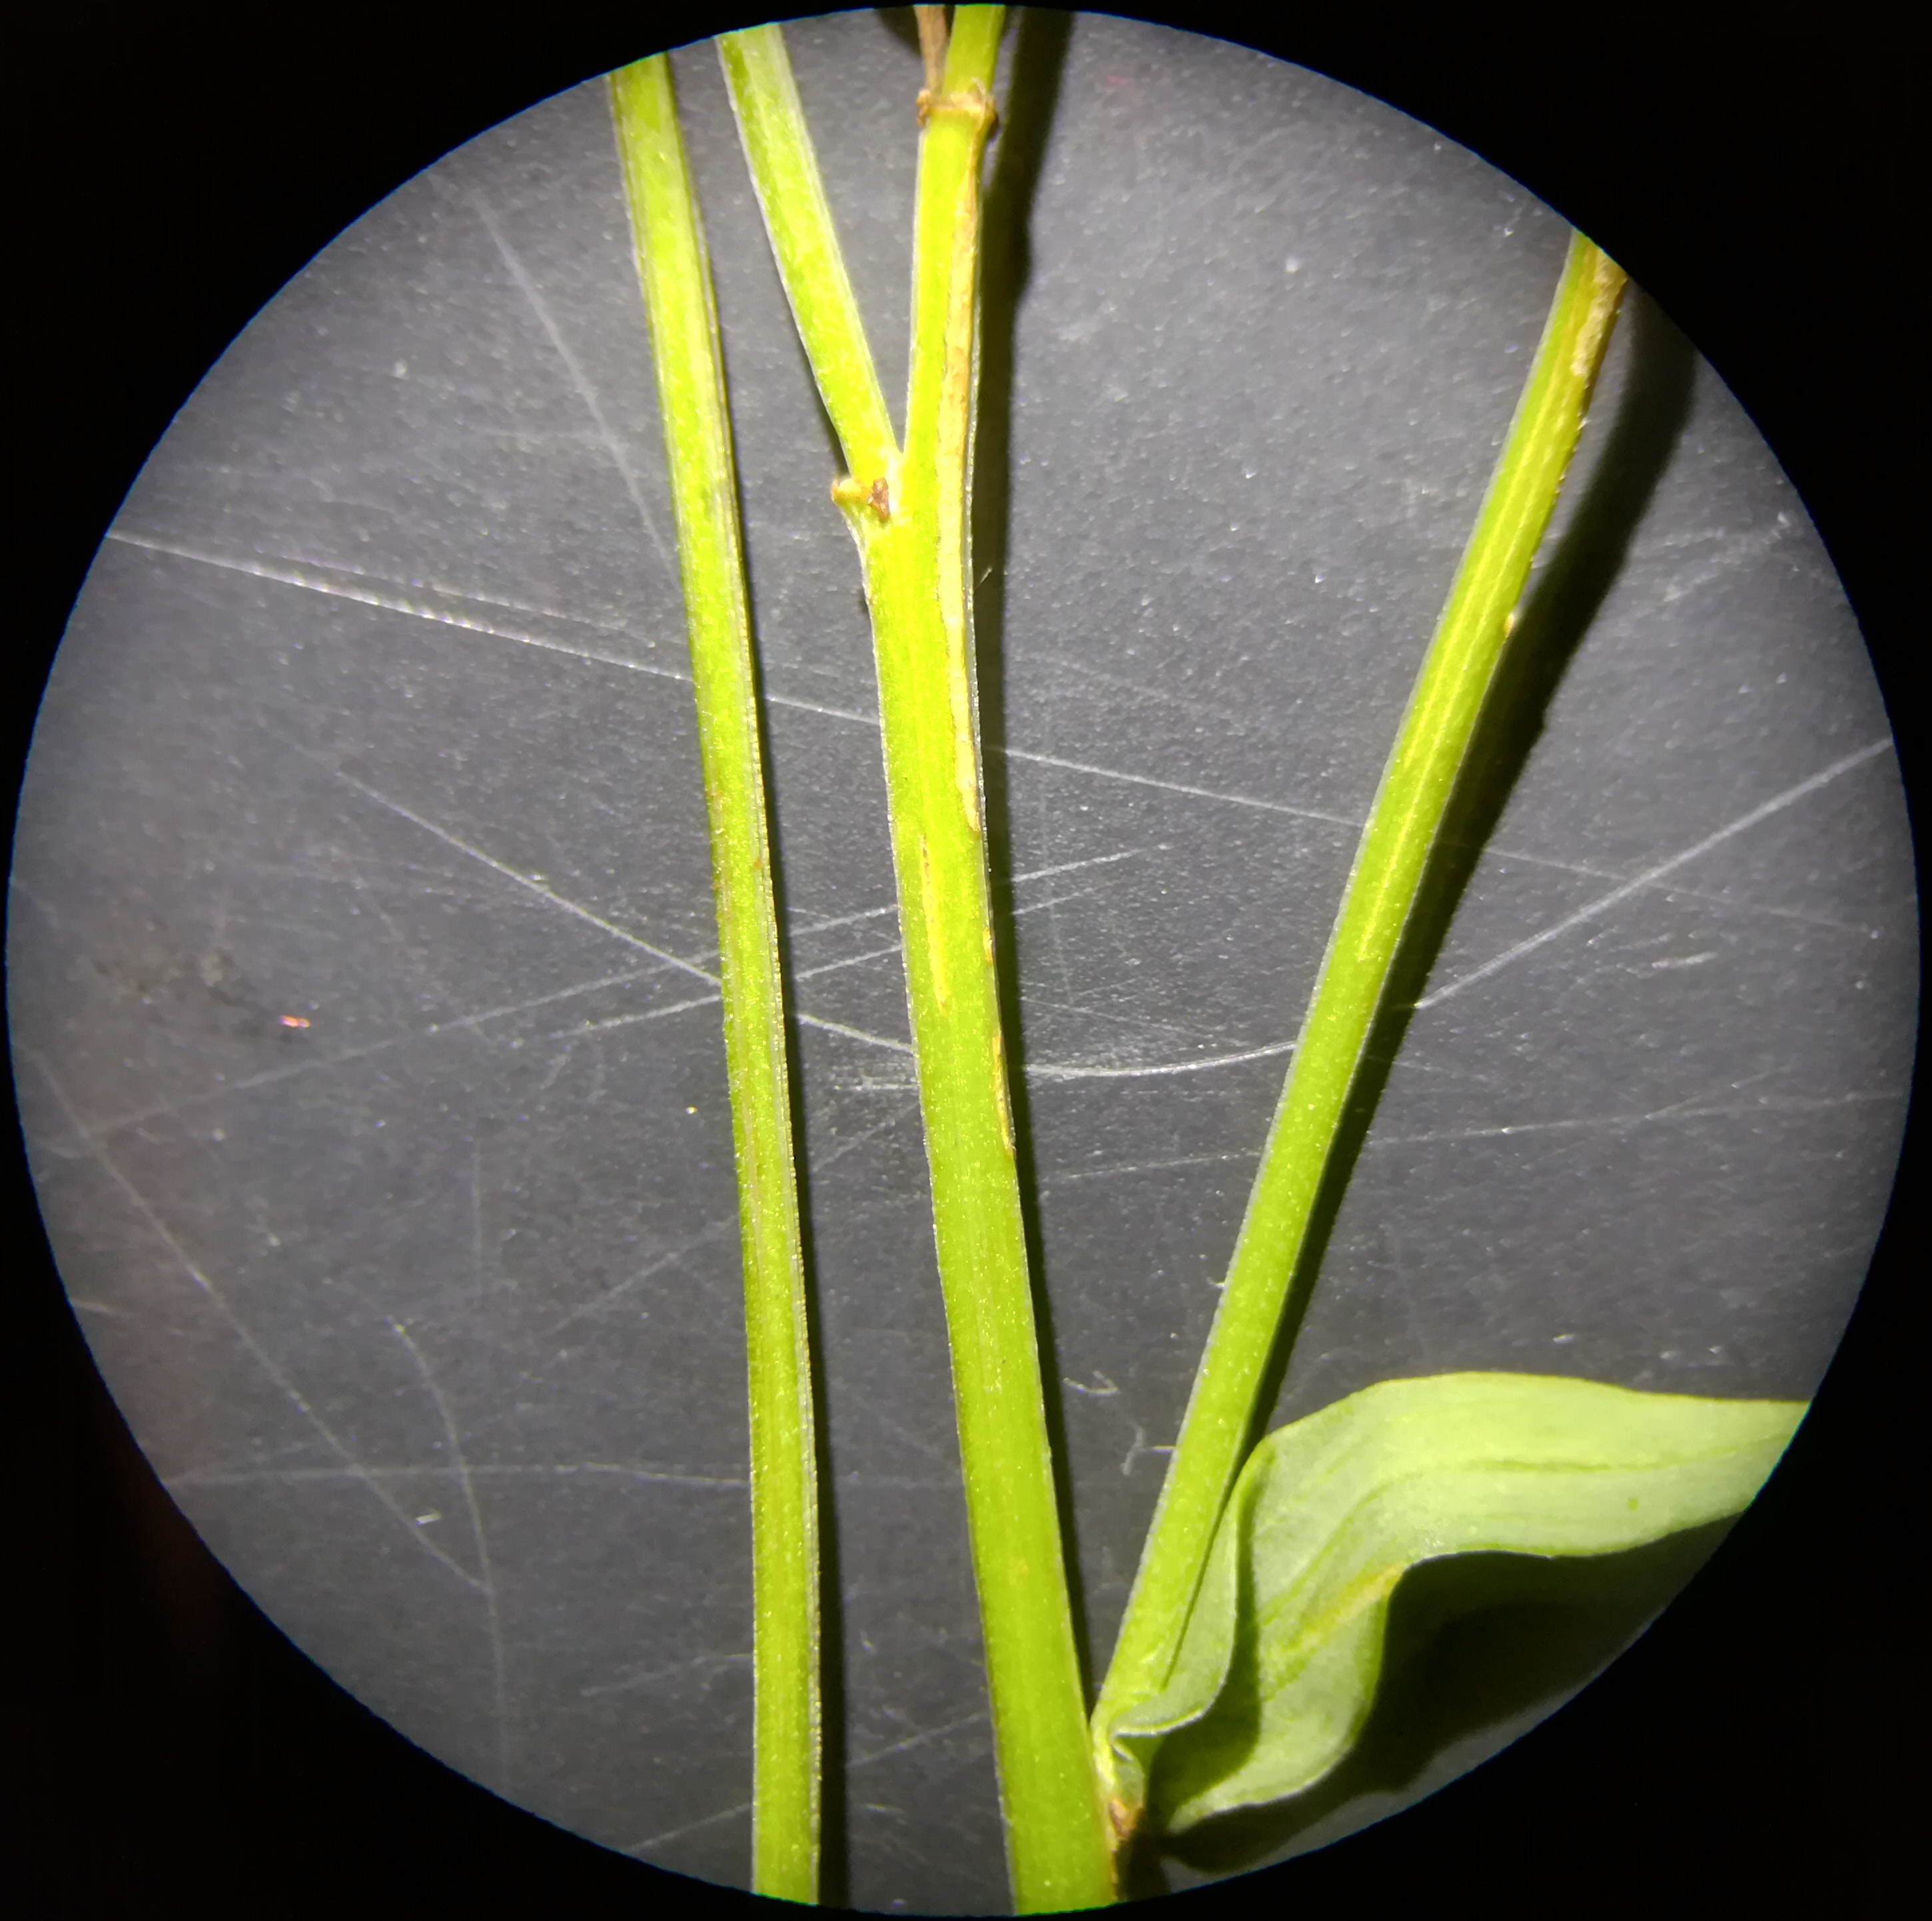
pixel 907 511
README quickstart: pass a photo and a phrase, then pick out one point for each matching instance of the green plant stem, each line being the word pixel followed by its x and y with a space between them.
pixel 1401 829
pixel 791 197
pixel 908 514
pixel 676 280
pixel 916 571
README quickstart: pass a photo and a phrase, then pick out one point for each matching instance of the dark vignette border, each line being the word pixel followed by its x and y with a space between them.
pixel 166 1749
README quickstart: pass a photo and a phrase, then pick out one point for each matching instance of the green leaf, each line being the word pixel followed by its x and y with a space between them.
pixel 1277 1668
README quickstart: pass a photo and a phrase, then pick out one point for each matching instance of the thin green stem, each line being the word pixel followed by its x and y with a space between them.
pixel 908 514
pixel 1395 847
pixel 791 195
pixel 933 33
pixel 676 280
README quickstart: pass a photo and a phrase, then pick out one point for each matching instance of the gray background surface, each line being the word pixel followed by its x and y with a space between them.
pixel 373 719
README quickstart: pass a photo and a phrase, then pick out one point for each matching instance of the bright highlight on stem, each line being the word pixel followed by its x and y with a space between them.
pixel 907 511
pixel 676 280
pixel 1408 808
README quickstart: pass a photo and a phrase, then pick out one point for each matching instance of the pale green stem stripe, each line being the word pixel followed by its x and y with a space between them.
pixel 791 195
pixel 910 519
pixel 676 280
pixel 1395 846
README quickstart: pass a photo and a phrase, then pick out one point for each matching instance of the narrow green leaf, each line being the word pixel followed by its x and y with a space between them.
pixel 1277 1668
pixel 677 281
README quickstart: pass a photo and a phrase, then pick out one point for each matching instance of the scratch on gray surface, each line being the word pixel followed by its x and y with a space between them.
pixel 328 856
pixel 1737 549
pixel 254 1460
pixel 486 1576
pixel 163 1109
pixel 1106 1388
pixel 716 1230
pixel 1709 896
pixel 1177 787
pixel 413 583
pixel 27 893
pixel 918 1443
pixel 1043 1070
pixel 689 1827
pixel 1145 1023
pixel 1012 880
pixel 1139 1447
pixel 1054 1071
pixel 1076 866
pixel 578 378
pixel 1697 1107
pixel 643 1679
pixel 1232 799
pixel 578 1032
pixel 1051 1071
pixel 715 999
pixel 542 999
pixel 1680 1110
pixel 594 1092
pixel 593 1032
pixel 857 716
pixel 594 920
pixel 845 1146
pixel 476 1260
pixel 254 1348
pixel 825 926
pixel 1053 901
pixel 290 573
pixel 919 1739
pixel 864 1760
pixel 523 880
pixel 871 954
pixel 1165 696
pixel 293 574
pixel 671 1476
pixel 1713 897
pixel 1145 1167
pixel 1499 853
pixel 1604 903
pixel 224 1477
pixel 804 1019
pixel 884 1040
